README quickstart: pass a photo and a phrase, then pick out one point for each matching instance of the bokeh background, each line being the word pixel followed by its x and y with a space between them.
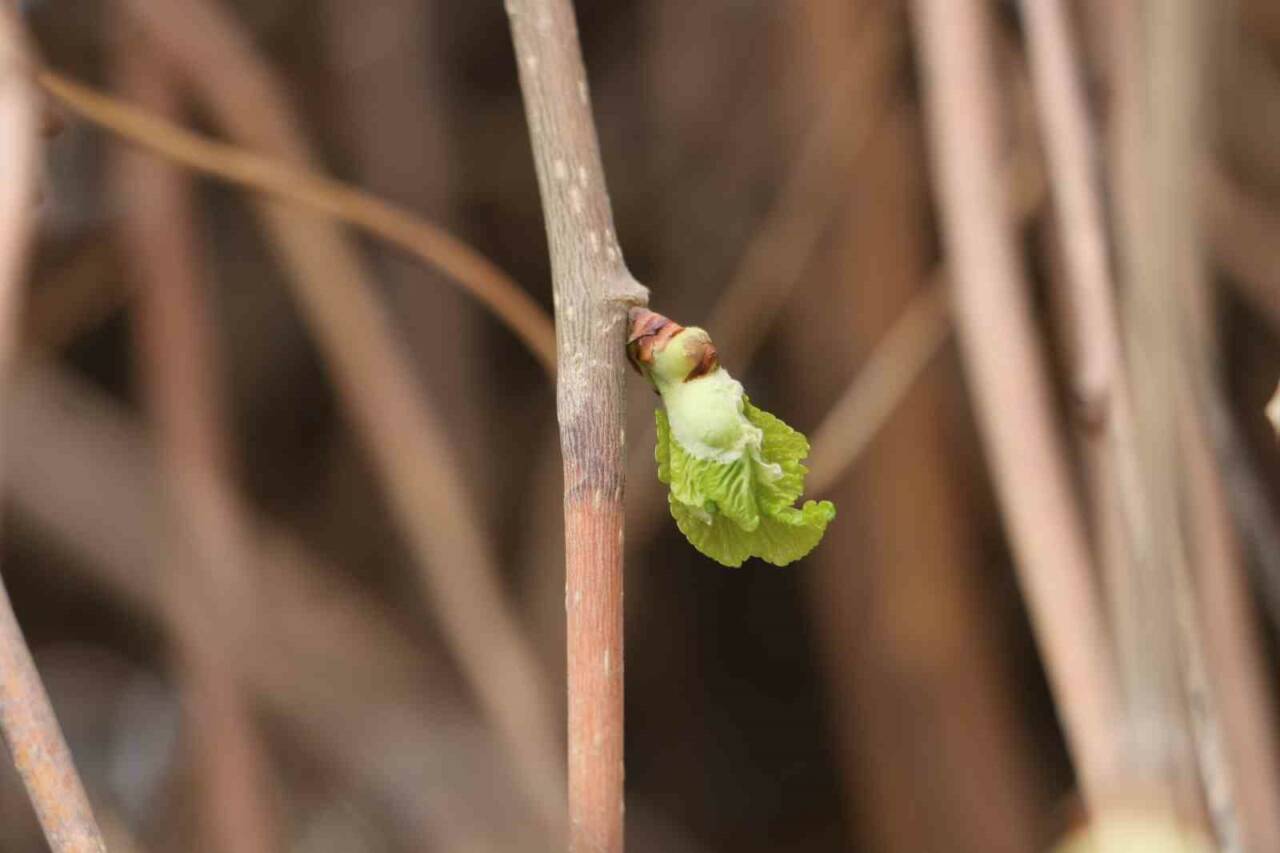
pixel 247 646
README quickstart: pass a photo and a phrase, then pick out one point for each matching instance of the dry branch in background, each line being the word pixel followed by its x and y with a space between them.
pixel 427 492
pixel 1179 741
pixel 593 291
pixel 30 729
pixel 280 177
pixel 1104 408
pixel 814 189
pixel 328 662
pixel 898 360
pixel 206 581
pixel 1007 372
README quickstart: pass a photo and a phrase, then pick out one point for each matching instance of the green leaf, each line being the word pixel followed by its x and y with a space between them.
pixel 732 510
pixel 784 447
pixel 779 540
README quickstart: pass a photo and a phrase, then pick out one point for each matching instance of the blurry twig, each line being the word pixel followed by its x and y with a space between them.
pixel 593 291
pixel 814 188
pixel 209 548
pixel 1176 734
pixel 906 349
pixel 332 664
pixel 427 491
pixel 1008 375
pixel 29 726
pixel 1102 402
pixel 898 359
pixel 276 176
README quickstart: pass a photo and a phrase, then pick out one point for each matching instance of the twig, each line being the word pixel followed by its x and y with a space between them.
pixel 1008 376
pixel 30 728
pixel 899 357
pixel 209 549
pixel 330 660
pixel 275 176
pixel 593 291
pixel 1102 402
pixel 427 492
pixel 1176 733
pixel 814 188
pixel 1233 647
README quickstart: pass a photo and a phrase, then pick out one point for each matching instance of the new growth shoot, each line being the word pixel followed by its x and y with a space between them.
pixel 734 470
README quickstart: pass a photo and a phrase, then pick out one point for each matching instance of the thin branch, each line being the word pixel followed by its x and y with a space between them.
pixel 593 291
pixel 1102 403
pixel 209 548
pixel 1177 735
pixel 30 729
pixel 405 437
pixel 330 659
pixel 260 172
pixel 883 380
pixel 814 189
pixel 1009 380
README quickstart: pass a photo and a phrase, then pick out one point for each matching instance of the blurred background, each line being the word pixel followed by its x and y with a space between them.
pixel 292 567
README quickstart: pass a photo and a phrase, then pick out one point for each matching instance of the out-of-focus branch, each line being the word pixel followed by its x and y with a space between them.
pixel 815 187
pixel 882 382
pixel 330 660
pixel 1177 735
pixel 30 729
pixel 1102 404
pixel 905 351
pixel 1008 375
pixel 275 175
pixel 427 492
pixel 208 570
pixel 593 291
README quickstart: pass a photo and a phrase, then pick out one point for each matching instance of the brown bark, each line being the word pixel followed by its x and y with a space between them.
pixel 593 291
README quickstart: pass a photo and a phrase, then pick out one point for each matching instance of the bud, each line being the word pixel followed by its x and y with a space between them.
pixel 667 352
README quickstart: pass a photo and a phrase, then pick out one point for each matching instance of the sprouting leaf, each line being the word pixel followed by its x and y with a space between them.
pixel 734 471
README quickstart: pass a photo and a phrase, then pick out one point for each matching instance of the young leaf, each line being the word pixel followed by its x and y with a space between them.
pixel 734 471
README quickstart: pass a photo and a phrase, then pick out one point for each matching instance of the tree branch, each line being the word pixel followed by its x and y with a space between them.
pixel 593 291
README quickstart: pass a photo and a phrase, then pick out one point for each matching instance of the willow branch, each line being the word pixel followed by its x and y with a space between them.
pixel 459 262
pixel 593 291
pixel 30 729
pixel 1007 371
